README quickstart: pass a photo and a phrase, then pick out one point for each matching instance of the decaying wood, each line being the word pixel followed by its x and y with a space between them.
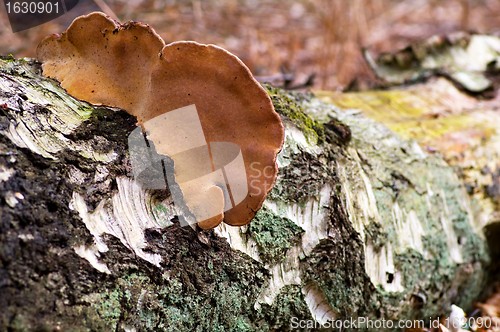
pixel 362 222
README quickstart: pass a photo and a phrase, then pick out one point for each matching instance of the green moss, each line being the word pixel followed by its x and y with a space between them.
pixel 397 106
pixel 108 307
pixel 196 296
pixel 20 323
pixel 84 111
pixel 243 325
pixel 289 303
pixel 288 104
pixel 8 58
pixel 413 114
pixel 274 235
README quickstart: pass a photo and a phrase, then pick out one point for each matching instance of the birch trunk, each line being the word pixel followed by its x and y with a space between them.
pixel 362 222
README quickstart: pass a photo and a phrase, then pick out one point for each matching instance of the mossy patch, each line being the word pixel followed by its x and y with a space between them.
pixel 398 106
pixel 288 104
pixel 288 306
pixel 108 307
pixel 274 235
pixel 7 58
pixel 413 114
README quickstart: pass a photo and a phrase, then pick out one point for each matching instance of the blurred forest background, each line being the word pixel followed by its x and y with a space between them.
pixel 301 38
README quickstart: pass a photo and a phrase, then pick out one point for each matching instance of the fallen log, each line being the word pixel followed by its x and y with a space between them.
pixel 362 222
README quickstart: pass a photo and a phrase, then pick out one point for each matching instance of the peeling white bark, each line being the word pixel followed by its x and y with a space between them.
pixel 407 223
pixel 318 304
pixel 92 256
pixel 126 216
pixel 238 239
pixel 379 264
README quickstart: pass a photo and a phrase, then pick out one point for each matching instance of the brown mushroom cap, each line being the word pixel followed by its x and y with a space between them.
pixel 130 67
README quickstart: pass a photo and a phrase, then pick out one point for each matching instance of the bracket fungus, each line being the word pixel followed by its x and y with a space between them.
pixel 198 104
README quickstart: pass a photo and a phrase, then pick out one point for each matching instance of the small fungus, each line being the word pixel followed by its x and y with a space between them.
pixel 194 102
